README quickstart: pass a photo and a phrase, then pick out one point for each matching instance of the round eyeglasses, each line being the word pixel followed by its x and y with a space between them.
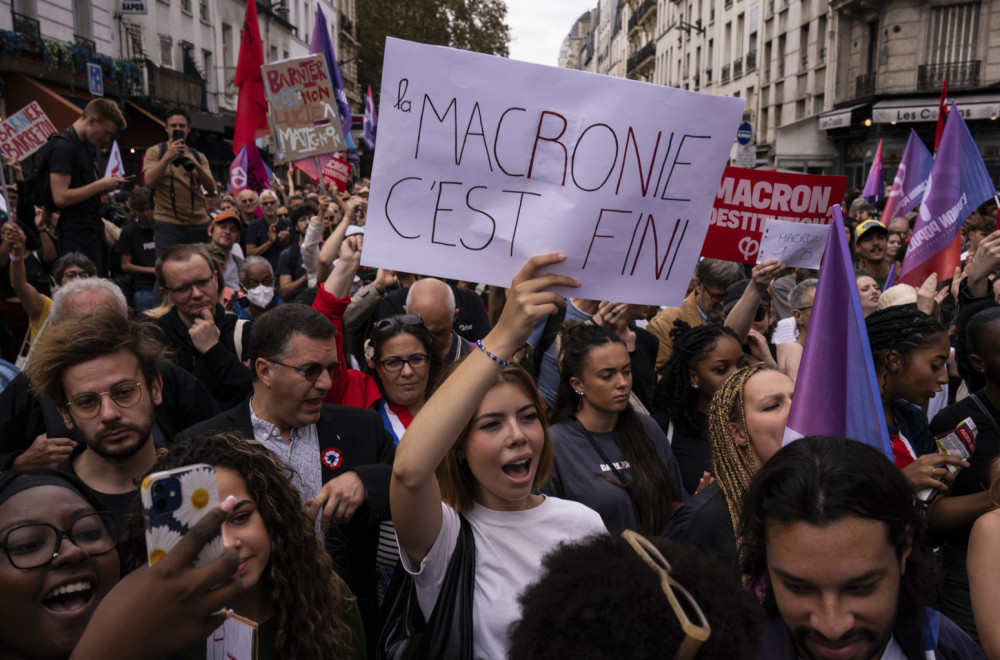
pixel 37 544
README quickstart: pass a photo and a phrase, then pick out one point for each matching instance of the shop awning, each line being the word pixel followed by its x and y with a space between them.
pixel 839 118
pixel 983 106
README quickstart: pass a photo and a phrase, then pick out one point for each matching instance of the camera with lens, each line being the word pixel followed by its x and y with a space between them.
pixel 182 161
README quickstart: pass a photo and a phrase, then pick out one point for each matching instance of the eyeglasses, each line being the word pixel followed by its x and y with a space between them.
pixel 73 274
pixel 390 322
pixel 717 298
pixel 251 283
pixel 270 203
pixel 88 404
pixel 695 634
pixel 37 544
pixel 185 289
pixel 416 361
pixel 313 370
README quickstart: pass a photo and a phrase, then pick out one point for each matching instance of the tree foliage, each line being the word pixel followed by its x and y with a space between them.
pixel 476 25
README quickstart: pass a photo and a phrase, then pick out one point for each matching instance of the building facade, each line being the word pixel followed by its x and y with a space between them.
pixel 824 80
pixel 157 54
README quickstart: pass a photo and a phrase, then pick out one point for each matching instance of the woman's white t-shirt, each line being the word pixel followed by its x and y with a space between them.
pixel 510 546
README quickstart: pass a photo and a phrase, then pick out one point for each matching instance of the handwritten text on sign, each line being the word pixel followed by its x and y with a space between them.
pixel 302 106
pixel 25 131
pixel 484 162
pixel 795 244
pixel 747 198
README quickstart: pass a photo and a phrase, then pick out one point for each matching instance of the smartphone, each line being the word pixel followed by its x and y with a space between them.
pixel 173 501
pixel 177 134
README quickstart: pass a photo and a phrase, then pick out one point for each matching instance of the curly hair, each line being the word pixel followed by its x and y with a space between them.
pixel 733 466
pixel 899 329
pixel 651 489
pixel 820 480
pixel 598 599
pixel 310 601
pixel 674 393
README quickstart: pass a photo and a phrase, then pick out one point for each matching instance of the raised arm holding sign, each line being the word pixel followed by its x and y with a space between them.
pixel 484 161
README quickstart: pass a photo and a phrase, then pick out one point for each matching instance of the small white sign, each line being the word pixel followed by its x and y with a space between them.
pixel 795 244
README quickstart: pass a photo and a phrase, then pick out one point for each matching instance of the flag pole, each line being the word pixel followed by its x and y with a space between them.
pixel 3 183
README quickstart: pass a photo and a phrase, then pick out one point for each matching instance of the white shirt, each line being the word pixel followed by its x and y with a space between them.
pixel 509 550
pixel 232 276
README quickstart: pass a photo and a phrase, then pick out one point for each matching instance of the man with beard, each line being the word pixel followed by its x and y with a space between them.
pixel 872 241
pixel 834 542
pixel 102 371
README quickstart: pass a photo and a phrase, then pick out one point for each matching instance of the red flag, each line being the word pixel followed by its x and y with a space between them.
pixel 942 114
pixel 251 108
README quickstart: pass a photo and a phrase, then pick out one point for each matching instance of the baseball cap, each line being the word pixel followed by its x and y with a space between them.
pixel 227 215
pixel 735 291
pixel 869 225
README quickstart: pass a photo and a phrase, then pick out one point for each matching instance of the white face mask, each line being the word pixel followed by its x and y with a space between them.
pixel 261 296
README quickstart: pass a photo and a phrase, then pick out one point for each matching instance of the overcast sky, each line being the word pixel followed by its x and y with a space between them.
pixel 538 27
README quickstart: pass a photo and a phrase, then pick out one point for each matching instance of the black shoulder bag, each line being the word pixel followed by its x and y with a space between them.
pixel 448 633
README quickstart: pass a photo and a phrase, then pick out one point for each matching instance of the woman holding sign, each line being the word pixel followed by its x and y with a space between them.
pixel 476 451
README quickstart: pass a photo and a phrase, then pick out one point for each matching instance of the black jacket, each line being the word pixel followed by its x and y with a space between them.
pixel 220 369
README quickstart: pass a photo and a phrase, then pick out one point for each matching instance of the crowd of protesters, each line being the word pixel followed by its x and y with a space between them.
pixel 619 467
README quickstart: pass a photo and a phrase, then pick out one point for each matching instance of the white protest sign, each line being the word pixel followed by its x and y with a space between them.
pixel 794 244
pixel 25 131
pixel 484 162
pixel 236 639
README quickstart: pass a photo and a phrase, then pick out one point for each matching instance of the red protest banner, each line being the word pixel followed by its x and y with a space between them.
pixel 336 173
pixel 25 131
pixel 748 198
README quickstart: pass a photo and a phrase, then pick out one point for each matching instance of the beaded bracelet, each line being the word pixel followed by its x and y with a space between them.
pixel 502 363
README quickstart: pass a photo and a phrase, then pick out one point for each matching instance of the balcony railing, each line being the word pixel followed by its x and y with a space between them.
pixel 29 28
pixel 737 68
pixel 751 61
pixel 640 14
pixel 865 85
pixel 960 75
pixel 725 73
pixel 640 56
pixel 83 43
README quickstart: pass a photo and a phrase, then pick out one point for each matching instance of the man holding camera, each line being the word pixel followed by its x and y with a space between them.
pixel 176 174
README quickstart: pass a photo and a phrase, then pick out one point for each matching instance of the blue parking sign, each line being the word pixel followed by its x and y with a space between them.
pixel 96 79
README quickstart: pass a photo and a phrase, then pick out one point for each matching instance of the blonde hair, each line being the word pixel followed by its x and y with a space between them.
pixel 733 465
pixel 106 110
pixel 995 481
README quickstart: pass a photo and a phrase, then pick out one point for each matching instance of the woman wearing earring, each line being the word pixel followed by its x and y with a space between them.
pixel 607 456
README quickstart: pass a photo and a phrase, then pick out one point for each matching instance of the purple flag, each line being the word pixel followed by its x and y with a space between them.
pixel 836 392
pixel 911 179
pixel 249 171
pixel 321 44
pixel 891 279
pixel 875 184
pixel 371 120
pixel 958 183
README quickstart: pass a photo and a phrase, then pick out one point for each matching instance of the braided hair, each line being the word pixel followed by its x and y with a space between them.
pixel 733 466
pixel 901 329
pixel 651 488
pixel 674 393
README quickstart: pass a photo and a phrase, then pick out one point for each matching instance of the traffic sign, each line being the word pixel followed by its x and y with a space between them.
pixel 96 79
pixel 744 133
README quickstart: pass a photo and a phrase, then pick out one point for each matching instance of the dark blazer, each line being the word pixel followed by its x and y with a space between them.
pixel 364 446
